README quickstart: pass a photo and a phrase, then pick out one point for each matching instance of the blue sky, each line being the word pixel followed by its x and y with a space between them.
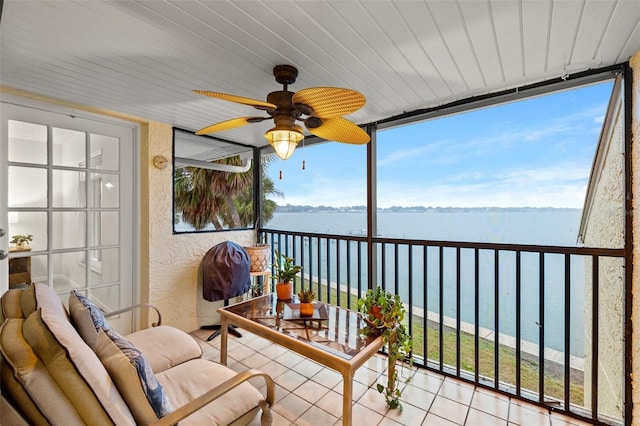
pixel 533 153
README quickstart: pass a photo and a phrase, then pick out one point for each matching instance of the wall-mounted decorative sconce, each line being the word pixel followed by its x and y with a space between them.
pixel 160 161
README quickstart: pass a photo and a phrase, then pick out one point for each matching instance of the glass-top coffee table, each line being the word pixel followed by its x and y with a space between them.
pixel 331 337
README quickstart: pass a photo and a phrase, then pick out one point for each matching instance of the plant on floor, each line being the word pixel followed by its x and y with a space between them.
pixel 384 314
pixel 285 272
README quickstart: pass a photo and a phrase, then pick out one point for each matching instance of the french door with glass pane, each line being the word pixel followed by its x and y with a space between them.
pixel 68 190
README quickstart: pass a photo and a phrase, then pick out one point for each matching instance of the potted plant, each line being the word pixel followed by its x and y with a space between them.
pixel 306 298
pixel 21 240
pixel 384 314
pixel 285 272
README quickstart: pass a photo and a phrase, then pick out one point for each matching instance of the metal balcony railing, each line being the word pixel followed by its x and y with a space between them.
pixel 541 323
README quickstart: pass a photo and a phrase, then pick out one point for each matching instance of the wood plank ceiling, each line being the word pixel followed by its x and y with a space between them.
pixel 143 58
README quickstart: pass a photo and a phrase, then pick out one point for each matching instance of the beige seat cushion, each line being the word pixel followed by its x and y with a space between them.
pixel 133 376
pixel 165 346
pixel 83 358
pixel 35 379
pixel 191 379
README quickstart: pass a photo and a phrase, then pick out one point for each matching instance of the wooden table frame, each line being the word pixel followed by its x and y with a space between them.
pixel 346 367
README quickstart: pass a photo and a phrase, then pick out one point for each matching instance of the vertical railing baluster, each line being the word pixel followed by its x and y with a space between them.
pixel 338 260
pixel 441 308
pixel 396 281
pixel 425 292
pixel 328 263
pixel 458 319
pixel 348 259
pixel 567 332
pixel 310 239
pixel 383 247
pixel 541 326
pixel 476 318
pixel 496 315
pixel 294 255
pixel 359 269
pixel 518 323
pixel 410 288
pixel 595 312
pixel 319 255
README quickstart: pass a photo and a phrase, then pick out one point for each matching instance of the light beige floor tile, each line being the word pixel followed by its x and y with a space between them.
pixel 418 397
pixel 311 391
pixel 530 406
pixel 290 380
pixel 410 414
pixel 488 403
pixel 291 407
pixel 259 344
pixel 362 415
pixel 450 410
pixel 524 416
pixel 315 417
pixel 331 402
pixel 327 378
pixel 433 420
pixel 273 351
pixel 211 354
pixel 388 422
pixel 358 389
pixel 240 352
pixel 256 360
pixel 274 369
pixel 366 376
pixel 377 363
pixel 374 400
pixel 290 359
pixel 456 392
pixel 427 381
pixel 480 418
pixel 307 368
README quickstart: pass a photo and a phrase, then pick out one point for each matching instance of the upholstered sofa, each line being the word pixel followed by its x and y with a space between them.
pixel 70 368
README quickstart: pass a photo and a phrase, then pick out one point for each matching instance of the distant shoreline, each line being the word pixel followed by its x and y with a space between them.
pixel 417 209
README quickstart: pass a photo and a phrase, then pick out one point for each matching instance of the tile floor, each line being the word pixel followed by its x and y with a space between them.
pixel 309 394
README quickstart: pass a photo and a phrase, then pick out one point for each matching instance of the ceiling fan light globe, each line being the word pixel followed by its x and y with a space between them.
pixel 284 140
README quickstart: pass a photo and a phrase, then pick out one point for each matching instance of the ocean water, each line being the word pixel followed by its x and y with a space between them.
pixel 538 227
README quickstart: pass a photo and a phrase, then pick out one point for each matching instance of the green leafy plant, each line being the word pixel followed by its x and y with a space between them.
pixel 306 296
pixel 384 314
pixel 21 239
pixel 285 269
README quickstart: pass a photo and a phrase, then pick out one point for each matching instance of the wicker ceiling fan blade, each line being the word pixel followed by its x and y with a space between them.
pixel 230 124
pixel 340 130
pixel 238 99
pixel 328 102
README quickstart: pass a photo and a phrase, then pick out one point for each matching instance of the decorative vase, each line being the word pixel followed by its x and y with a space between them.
pixel 306 309
pixel 284 291
pixel 259 256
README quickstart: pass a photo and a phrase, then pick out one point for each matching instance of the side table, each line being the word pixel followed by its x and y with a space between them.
pixel 19 267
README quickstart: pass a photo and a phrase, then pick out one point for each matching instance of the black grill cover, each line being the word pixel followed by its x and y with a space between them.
pixel 225 272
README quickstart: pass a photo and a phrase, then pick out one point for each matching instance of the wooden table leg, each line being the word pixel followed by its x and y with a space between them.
pixel 224 335
pixel 347 398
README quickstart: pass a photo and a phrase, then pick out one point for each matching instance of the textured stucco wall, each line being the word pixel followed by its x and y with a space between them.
pixel 635 152
pixel 169 263
pixel 605 228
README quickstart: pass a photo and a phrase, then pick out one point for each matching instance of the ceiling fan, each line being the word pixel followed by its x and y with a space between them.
pixel 319 108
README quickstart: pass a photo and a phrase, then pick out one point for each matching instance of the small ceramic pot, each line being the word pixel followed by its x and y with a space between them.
pixel 306 309
pixel 284 291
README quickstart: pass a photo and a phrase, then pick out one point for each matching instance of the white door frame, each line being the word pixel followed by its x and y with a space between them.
pixel 14 107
